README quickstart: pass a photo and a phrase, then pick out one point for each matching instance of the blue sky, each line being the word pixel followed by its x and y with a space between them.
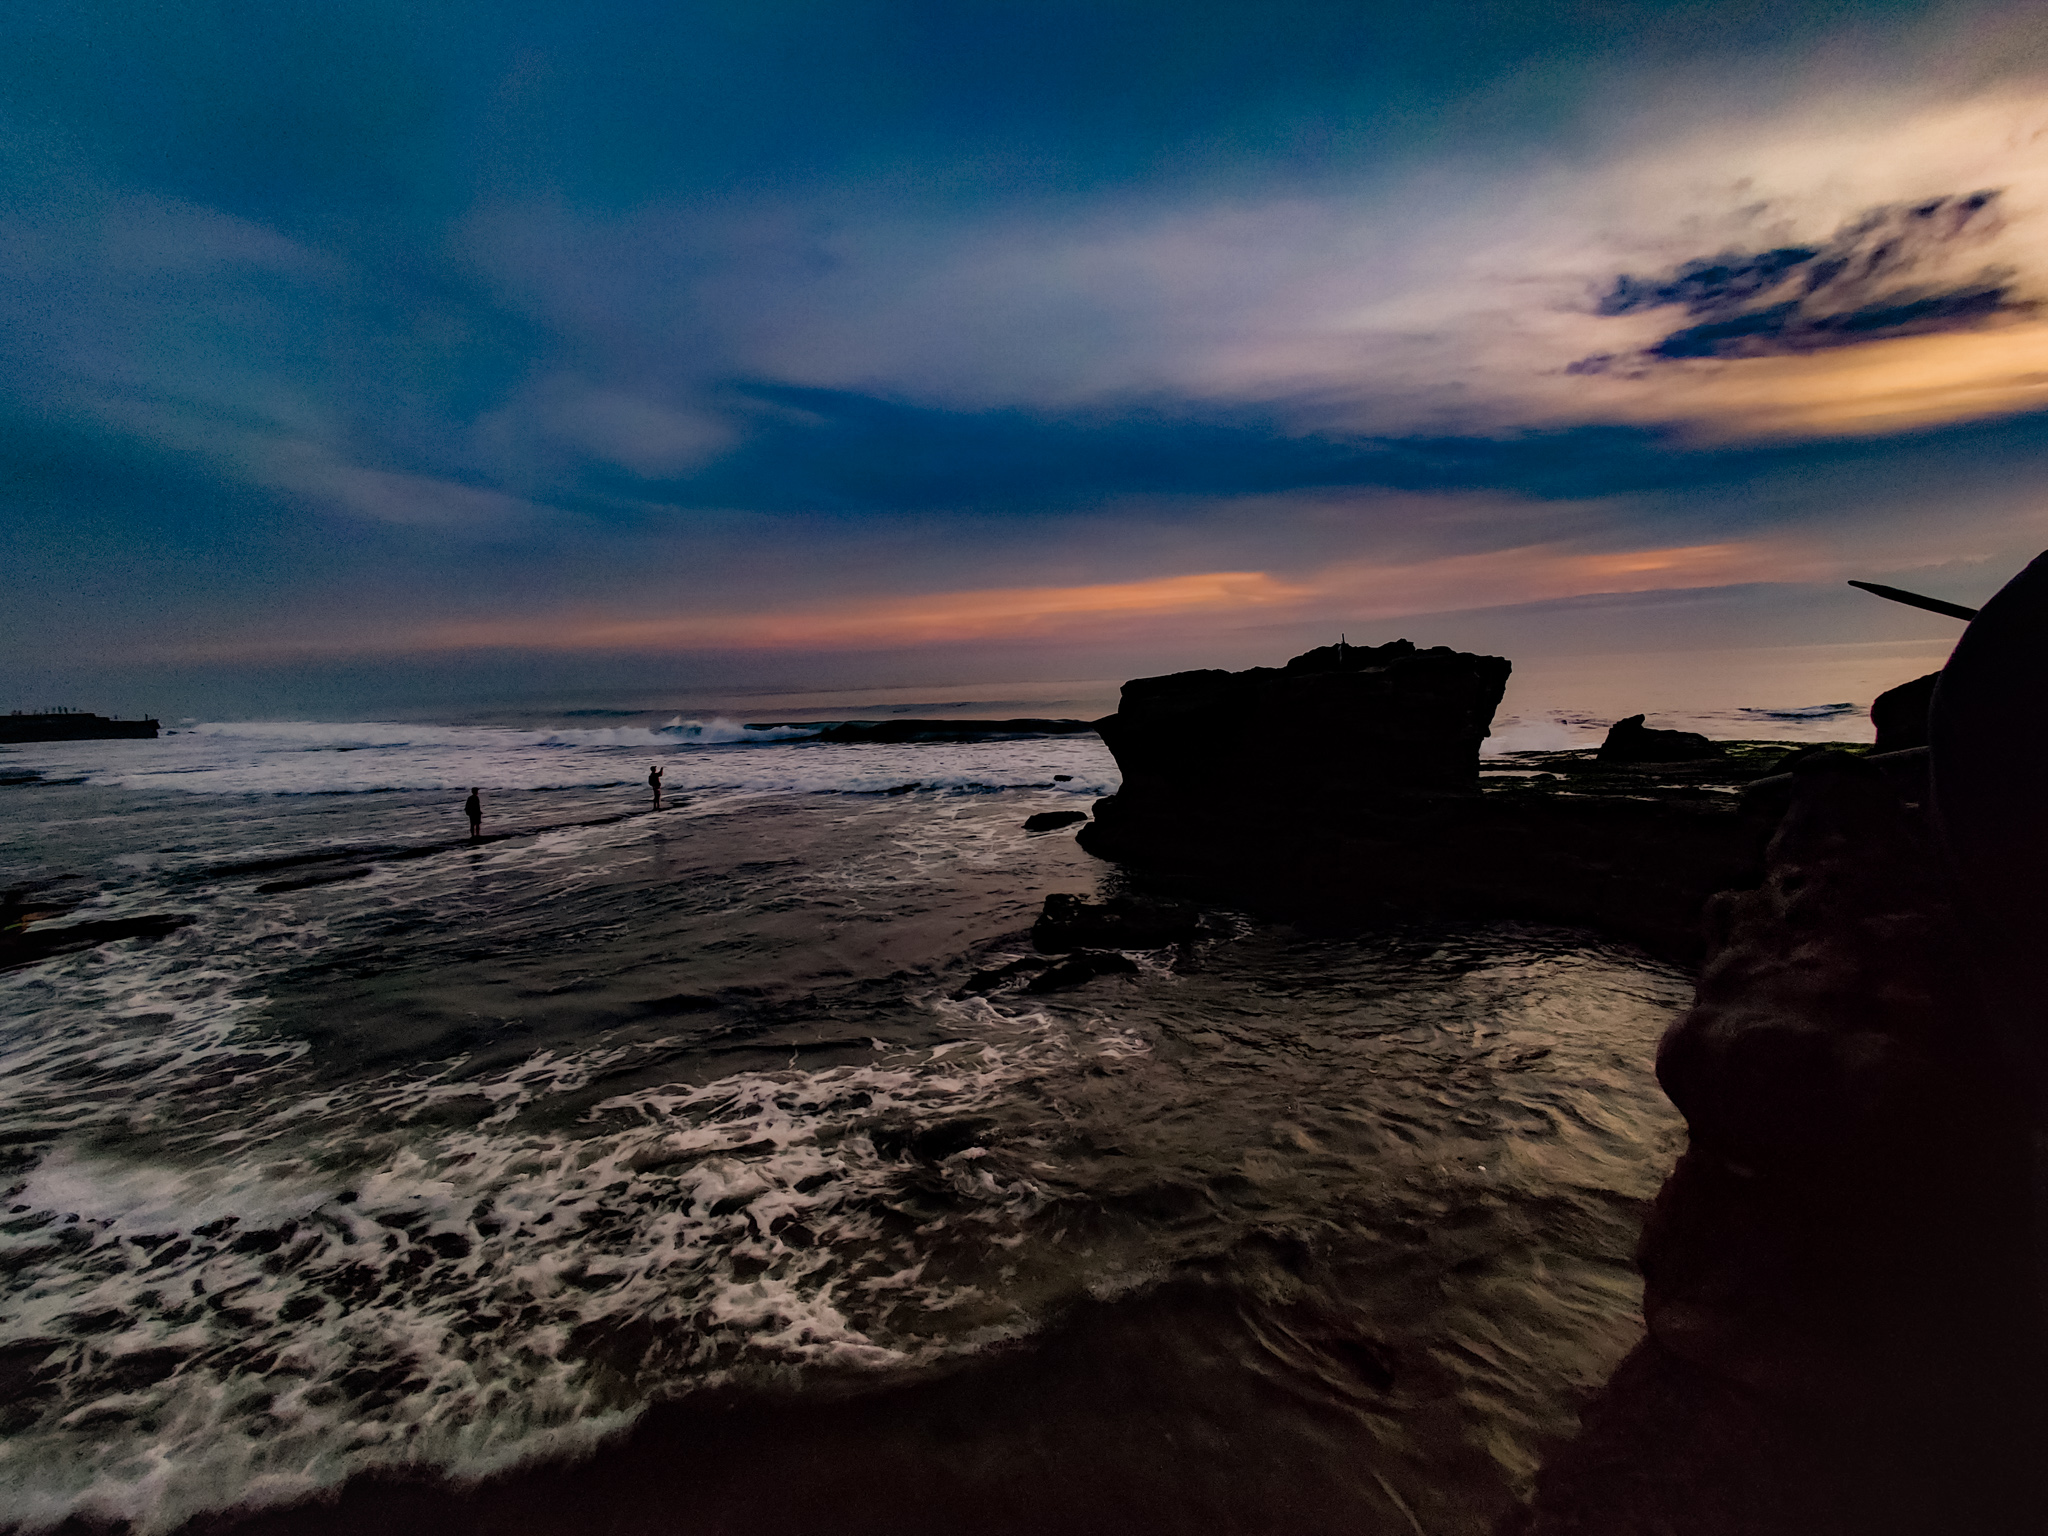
pixel 348 345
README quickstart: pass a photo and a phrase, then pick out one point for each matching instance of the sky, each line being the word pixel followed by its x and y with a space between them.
pixel 355 354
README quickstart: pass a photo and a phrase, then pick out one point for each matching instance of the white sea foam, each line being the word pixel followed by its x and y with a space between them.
pixel 539 1243
pixel 717 755
pixel 219 1325
pixel 479 1296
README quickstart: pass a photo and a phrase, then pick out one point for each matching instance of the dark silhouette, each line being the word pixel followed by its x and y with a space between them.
pixel 473 808
pixel 654 783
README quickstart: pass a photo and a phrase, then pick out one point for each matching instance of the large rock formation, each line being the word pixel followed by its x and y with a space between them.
pixel 1349 779
pixel 1334 725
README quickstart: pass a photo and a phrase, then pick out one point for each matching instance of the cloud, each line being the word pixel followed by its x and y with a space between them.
pixel 310 470
pixel 560 426
pixel 927 395
pixel 1866 283
pixel 1188 605
pixel 1454 302
pixel 928 619
pixel 1902 383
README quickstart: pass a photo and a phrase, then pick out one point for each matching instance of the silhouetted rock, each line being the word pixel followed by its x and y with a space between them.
pixel 1901 714
pixel 1840 1276
pixel 1122 922
pixel 1082 967
pixel 23 941
pixel 1049 821
pixel 1630 741
pixel 1333 724
pixel 1348 781
pixel 934 1143
pixel 1834 1073
pixel 996 977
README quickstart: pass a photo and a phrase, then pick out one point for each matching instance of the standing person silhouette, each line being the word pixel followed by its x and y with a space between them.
pixel 654 783
pixel 473 808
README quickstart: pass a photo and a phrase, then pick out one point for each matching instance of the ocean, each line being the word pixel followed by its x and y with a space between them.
pixel 629 1127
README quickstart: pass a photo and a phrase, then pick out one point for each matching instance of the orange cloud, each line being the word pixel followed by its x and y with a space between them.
pixel 1369 590
pixel 1177 607
pixel 1880 386
pixel 932 618
pixel 1539 572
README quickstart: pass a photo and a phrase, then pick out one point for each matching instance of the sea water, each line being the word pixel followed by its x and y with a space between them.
pixel 415 1152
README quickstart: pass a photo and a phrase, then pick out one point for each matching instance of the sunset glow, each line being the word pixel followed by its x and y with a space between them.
pixel 796 357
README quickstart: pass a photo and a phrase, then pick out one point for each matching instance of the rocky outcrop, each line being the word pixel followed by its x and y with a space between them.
pixel 1853 1153
pixel 1843 1279
pixel 1630 741
pixel 1348 781
pixel 1843 1335
pixel 22 943
pixel 1333 725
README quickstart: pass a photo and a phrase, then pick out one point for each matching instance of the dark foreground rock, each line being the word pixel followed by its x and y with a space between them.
pixel 1844 1275
pixel 1843 1330
pixel 1630 741
pixel 1901 714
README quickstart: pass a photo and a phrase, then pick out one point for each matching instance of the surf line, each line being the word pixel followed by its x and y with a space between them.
pixel 388 853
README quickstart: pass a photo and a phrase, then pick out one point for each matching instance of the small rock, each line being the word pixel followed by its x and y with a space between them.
pixel 934 1143
pixel 1122 922
pixel 1630 741
pixel 1047 821
pixel 1082 967
pixel 996 976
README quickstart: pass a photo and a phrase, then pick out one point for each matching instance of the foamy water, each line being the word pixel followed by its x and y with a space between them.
pixel 470 1154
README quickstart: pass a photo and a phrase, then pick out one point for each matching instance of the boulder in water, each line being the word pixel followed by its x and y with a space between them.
pixel 1630 741
pixel 993 978
pixel 1052 821
pixel 1082 967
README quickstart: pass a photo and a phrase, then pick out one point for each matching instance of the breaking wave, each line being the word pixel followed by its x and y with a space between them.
pixel 289 1302
pixel 310 758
